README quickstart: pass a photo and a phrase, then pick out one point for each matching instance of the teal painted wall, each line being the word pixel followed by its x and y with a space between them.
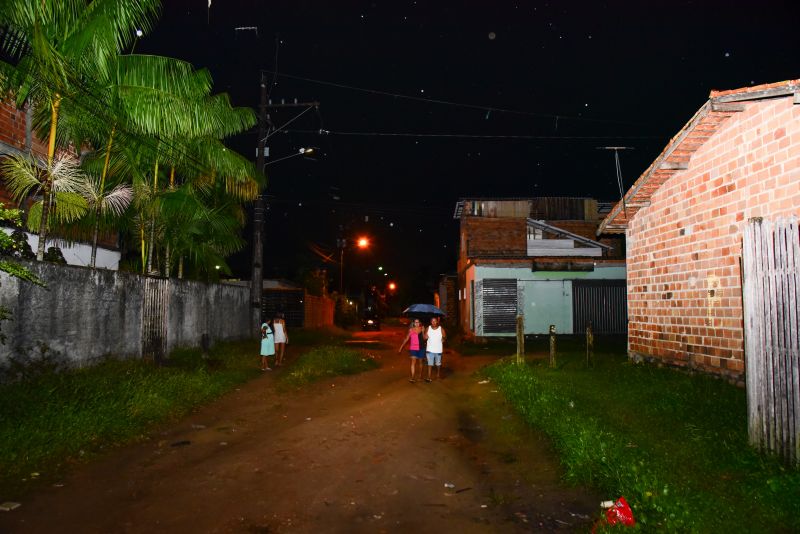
pixel 547 302
pixel 547 295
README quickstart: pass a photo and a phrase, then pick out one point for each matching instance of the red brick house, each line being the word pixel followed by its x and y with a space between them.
pixel 539 258
pixel 738 157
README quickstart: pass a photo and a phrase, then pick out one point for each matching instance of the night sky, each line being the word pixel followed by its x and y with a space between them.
pixel 427 102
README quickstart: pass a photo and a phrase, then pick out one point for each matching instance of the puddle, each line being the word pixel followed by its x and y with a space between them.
pixel 469 427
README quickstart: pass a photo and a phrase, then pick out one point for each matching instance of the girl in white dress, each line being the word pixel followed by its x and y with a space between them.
pixel 281 338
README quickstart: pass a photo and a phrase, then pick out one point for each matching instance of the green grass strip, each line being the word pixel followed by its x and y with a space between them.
pixel 674 445
pixel 326 361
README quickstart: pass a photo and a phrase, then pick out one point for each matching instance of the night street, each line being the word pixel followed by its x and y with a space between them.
pixel 368 453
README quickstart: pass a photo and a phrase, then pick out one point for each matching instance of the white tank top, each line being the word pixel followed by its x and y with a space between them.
pixel 434 340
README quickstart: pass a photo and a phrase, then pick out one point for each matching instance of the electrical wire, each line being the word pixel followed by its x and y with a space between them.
pixel 276 130
pixel 451 103
pixel 473 136
pixel 619 183
pixel 275 74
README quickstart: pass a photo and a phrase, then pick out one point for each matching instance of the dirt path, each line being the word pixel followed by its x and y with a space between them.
pixel 367 453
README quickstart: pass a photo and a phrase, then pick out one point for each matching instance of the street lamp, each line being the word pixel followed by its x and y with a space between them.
pixel 361 242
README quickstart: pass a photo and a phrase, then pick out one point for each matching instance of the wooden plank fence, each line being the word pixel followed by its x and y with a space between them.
pixel 771 281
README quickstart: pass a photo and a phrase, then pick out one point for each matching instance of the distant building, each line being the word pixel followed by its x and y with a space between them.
pixel 737 158
pixel 539 258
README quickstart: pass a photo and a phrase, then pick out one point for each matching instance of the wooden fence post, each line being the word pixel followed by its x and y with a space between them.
pixel 520 339
pixel 552 345
pixel 589 345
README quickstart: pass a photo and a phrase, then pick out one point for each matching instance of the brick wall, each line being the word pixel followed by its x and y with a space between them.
pixel 12 133
pixel 684 279
pixel 12 125
pixel 492 235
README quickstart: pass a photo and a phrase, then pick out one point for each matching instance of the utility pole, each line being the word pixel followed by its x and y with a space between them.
pixel 265 129
pixel 256 281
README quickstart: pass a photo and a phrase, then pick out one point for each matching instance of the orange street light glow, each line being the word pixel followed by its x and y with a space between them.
pixel 392 286
pixel 362 242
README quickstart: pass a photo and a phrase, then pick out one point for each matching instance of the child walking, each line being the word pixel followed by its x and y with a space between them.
pixel 281 338
pixel 267 346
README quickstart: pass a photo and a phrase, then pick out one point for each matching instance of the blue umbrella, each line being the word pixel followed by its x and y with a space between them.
pixel 423 309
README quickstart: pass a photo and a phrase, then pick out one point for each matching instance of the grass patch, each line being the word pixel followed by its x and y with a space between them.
pixel 55 419
pixel 674 445
pixel 326 361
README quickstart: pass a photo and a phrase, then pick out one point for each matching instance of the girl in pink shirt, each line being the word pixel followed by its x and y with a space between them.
pixel 416 344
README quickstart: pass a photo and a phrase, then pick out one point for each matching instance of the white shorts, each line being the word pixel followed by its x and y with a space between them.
pixel 434 358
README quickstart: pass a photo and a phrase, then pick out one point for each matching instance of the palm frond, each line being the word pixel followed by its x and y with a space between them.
pixel 162 75
pixel 117 200
pixel 68 207
pixel 66 174
pixel 22 175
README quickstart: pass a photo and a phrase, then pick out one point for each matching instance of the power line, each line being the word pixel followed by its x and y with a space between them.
pixel 473 136
pixel 451 103
pixel 280 128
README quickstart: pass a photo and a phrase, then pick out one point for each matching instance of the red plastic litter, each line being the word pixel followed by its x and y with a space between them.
pixel 620 513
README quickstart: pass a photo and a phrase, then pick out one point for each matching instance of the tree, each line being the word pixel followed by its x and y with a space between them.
pixel 140 116
pixel 104 203
pixel 27 176
pixel 60 45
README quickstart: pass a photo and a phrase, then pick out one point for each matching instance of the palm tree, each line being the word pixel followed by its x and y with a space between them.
pixel 104 204
pixel 64 44
pixel 142 114
pixel 27 176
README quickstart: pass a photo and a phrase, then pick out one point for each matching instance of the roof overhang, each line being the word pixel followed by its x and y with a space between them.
pixel 541 225
pixel 676 156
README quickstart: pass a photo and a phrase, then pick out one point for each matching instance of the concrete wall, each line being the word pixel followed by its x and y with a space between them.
pixel 85 314
pixel 684 281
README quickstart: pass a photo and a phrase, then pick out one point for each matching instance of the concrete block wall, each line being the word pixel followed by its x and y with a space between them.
pixel 684 279
pixel 86 314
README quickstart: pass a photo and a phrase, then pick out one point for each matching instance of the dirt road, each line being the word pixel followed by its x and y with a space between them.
pixel 366 453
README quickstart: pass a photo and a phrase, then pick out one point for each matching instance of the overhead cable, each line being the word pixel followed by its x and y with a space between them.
pixel 488 109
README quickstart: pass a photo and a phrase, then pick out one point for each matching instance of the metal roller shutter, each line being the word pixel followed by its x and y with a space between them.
pixel 499 305
pixel 601 302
